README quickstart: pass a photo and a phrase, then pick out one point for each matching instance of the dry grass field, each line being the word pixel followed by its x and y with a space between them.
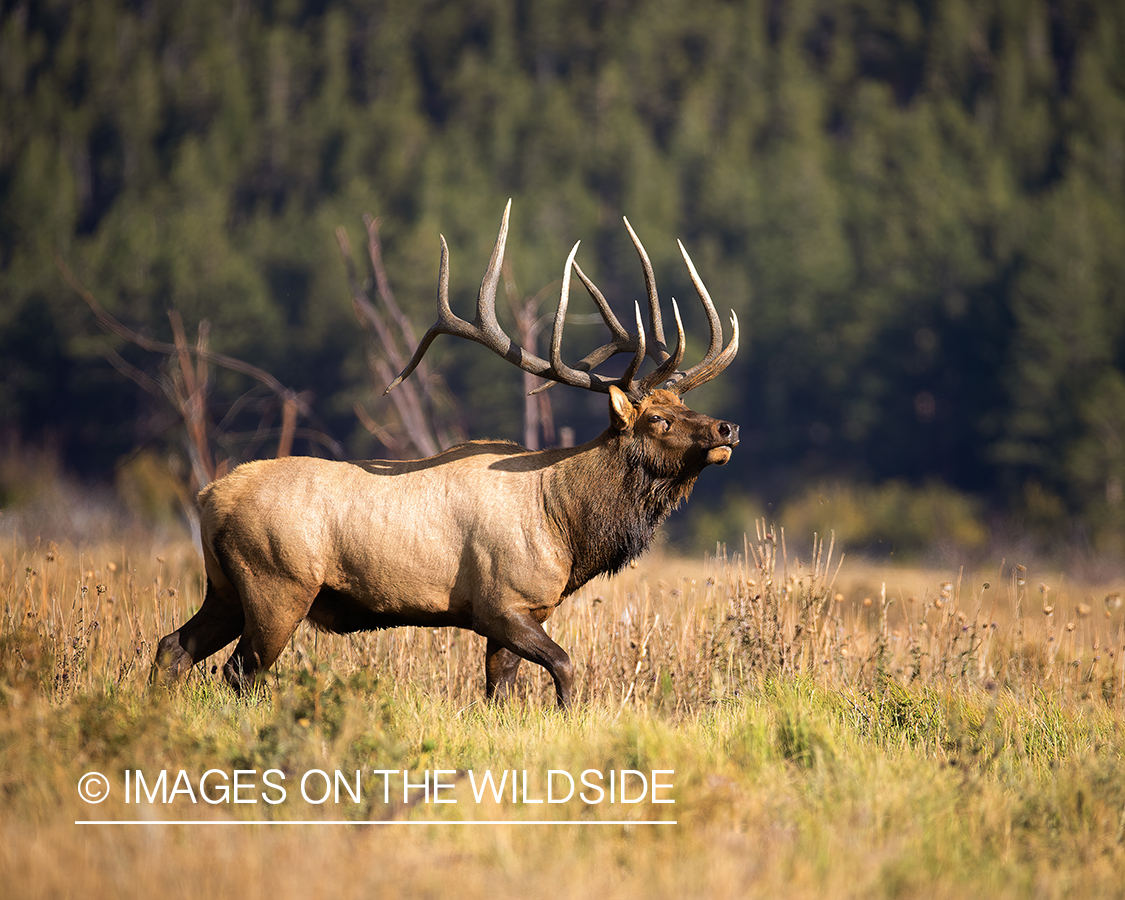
pixel 771 720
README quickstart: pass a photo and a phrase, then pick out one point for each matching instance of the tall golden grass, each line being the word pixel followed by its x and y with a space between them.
pixel 666 634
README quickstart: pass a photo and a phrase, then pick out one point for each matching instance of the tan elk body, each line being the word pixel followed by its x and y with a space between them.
pixel 486 535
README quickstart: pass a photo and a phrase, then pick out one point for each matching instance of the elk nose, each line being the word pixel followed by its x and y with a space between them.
pixel 728 431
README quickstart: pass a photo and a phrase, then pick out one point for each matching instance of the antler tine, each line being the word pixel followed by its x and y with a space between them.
pixel 668 368
pixel 583 377
pixel 705 371
pixel 486 296
pixel 622 341
pixel 485 329
pixel 634 366
pixel 716 359
pixel 659 350
pixel 560 316
pixel 713 322
pixel 619 332
pixel 447 322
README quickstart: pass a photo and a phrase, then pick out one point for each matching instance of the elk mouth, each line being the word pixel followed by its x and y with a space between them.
pixel 720 454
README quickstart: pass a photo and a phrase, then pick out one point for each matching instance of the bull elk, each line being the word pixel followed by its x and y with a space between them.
pixel 486 535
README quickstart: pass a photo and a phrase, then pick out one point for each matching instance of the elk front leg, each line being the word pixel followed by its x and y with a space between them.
pixel 524 636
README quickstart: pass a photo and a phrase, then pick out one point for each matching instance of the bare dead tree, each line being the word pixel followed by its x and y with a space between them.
pixel 538 417
pixel 187 387
pixel 421 430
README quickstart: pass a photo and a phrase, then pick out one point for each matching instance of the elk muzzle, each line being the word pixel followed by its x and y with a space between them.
pixel 727 439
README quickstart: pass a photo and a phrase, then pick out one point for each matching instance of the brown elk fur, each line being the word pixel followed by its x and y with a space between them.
pixel 486 536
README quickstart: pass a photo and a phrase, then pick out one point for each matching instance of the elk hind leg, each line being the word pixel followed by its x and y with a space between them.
pixel 218 622
pixel 500 668
pixel 270 623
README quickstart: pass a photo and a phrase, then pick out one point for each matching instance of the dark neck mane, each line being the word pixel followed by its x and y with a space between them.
pixel 608 504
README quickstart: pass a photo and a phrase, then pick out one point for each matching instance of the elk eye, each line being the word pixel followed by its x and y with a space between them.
pixel 659 422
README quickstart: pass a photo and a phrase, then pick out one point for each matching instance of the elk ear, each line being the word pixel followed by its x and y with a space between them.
pixel 622 413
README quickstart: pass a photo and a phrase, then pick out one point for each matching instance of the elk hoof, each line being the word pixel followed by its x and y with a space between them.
pixel 171 661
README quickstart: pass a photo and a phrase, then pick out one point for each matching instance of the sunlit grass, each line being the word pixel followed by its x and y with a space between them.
pixel 832 730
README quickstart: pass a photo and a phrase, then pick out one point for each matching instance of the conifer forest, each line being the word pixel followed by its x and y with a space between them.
pixel 916 210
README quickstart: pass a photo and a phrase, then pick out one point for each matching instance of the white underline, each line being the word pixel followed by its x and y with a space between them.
pixel 370 822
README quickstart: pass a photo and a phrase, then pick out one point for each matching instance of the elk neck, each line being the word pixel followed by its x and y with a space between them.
pixel 608 502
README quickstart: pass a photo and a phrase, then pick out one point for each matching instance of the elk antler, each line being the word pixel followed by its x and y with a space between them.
pixel 485 329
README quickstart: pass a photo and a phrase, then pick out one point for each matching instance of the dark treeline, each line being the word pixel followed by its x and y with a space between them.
pixel 917 210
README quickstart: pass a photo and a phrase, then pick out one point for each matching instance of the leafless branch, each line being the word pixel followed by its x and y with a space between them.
pixel 416 408
pixel 189 385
